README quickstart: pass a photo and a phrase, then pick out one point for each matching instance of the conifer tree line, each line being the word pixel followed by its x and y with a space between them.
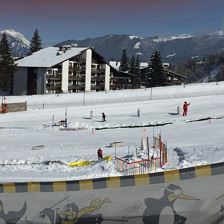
pixel 154 75
pixel 8 64
pixel 132 66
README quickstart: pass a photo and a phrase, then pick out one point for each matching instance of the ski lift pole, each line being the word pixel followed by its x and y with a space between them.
pixel 115 150
pixel 148 148
pixel 53 120
pixel 151 94
pixel 84 98
pixel 2 105
pixel 55 216
pixel 153 131
pixel 66 118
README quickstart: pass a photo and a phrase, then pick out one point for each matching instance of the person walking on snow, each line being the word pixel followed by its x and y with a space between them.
pixel 103 117
pixel 100 154
pixel 185 108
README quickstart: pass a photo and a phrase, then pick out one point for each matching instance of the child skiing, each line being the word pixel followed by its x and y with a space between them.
pixel 100 154
pixel 103 117
pixel 185 108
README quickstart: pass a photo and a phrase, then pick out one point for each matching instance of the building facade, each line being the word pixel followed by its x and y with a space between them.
pixel 71 69
pixel 172 78
pixel 128 81
pixel 62 70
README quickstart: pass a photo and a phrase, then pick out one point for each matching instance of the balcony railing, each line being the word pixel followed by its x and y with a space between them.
pixel 54 77
pixel 53 87
pixel 77 69
pixel 98 78
pixel 98 70
pixel 77 87
pixel 74 78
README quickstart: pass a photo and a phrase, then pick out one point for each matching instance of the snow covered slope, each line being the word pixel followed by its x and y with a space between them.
pixel 33 150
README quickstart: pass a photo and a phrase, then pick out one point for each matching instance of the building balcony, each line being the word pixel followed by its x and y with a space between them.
pixel 100 78
pixel 54 77
pixel 53 87
pixel 96 87
pixel 77 69
pixel 95 78
pixel 99 85
pixel 53 83
pixel 98 70
pixel 74 78
pixel 76 87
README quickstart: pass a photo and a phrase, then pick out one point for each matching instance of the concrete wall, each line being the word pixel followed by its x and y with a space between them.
pixel 194 195
pixel 88 70
pixel 20 81
pixel 65 70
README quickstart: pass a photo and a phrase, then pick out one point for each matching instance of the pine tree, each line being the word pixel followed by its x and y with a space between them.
pixel 35 43
pixel 7 66
pixel 137 73
pixel 124 61
pixel 155 76
pixel 137 66
pixel 132 68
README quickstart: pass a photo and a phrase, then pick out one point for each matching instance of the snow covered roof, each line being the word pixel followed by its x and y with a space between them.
pixel 49 57
pixel 144 64
pixel 115 64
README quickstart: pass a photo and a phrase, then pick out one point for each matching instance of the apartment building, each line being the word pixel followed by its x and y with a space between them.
pixel 66 69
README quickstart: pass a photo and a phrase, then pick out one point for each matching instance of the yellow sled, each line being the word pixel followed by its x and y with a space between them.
pixel 108 158
pixel 79 163
pixel 87 163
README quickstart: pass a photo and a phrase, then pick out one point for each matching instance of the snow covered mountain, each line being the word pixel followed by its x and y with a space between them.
pixel 165 39
pixel 173 49
pixel 17 41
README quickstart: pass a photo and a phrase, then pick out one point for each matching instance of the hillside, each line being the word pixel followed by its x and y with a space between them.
pixel 175 49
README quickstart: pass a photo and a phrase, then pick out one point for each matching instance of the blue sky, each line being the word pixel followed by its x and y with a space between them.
pixel 59 20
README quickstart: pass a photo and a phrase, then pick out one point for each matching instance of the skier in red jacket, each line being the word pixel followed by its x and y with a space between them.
pixel 185 108
pixel 100 154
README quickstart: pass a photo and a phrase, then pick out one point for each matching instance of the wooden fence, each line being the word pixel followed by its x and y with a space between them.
pixel 13 107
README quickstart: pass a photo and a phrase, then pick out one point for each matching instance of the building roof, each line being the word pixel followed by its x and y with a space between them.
pixel 174 74
pixel 115 64
pixel 144 65
pixel 50 56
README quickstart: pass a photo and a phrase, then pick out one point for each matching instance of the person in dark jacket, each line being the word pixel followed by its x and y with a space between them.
pixel 103 117
pixel 185 108
pixel 100 154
